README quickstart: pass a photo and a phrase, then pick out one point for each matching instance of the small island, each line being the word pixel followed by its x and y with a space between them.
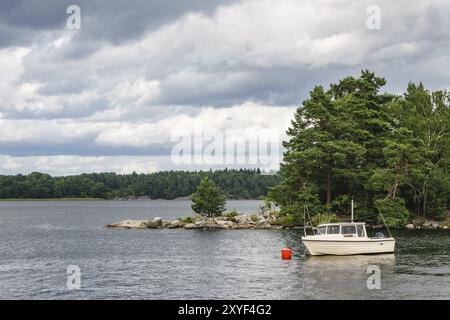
pixel 238 222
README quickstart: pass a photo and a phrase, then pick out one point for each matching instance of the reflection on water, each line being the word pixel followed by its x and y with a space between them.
pixel 337 276
pixel 356 262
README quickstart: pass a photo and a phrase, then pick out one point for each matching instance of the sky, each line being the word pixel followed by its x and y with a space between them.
pixel 145 86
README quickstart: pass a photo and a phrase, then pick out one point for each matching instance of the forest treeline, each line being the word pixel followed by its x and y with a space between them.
pixel 390 152
pixel 235 184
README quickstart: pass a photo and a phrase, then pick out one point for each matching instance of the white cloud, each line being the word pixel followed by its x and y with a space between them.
pixel 248 116
pixel 68 165
pixel 143 134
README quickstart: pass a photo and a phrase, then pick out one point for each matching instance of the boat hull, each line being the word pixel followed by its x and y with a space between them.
pixel 349 247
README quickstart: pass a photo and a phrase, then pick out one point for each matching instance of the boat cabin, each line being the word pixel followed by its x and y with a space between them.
pixel 339 230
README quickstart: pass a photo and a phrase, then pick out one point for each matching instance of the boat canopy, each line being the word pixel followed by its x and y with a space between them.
pixel 344 228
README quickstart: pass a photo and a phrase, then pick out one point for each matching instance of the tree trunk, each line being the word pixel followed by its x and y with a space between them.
pixel 329 188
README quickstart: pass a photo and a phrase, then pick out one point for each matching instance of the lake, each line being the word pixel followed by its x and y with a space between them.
pixel 40 239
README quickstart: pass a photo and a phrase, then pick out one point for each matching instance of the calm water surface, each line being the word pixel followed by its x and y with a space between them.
pixel 38 240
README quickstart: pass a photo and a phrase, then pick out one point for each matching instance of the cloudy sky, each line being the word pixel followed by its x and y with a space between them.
pixel 115 94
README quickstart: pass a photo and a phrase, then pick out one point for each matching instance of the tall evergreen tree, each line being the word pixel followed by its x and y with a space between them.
pixel 334 144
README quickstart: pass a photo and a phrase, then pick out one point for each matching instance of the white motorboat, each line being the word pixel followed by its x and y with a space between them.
pixel 346 238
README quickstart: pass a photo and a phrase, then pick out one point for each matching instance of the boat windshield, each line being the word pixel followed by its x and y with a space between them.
pixel 348 229
pixel 333 229
pixel 321 230
pixel 360 231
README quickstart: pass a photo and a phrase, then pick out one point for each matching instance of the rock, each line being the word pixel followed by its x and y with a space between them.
pixel 176 224
pixel 155 223
pixel 241 219
pixel 445 227
pixel 409 226
pixel 135 224
pixel 222 223
pixel 212 225
pixel 430 225
pixel 221 219
pixel 208 224
pixel 264 225
pixel 190 226
pixel 165 224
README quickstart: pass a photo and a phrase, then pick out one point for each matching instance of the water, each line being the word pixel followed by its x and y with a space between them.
pixel 38 240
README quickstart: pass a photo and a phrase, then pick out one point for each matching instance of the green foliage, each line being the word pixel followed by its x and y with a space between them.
pixel 254 218
pixel 187 219
pixel 231 214
pixel 287 220
pixel 352 140
pixel 237 184
pixel 324 218
pixel 393 210
pixel 341 204
pixel 208 199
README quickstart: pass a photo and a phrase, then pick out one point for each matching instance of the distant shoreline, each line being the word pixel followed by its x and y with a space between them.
pixel 101 199
pixel 53 199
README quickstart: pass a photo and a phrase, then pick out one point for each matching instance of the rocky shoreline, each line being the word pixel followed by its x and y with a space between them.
pixel 239 222
pixel 254 221
pixel 424 224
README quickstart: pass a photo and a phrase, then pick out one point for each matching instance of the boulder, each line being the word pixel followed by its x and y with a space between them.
pixel 430 225
pixel 222 222
pixel 175 224
pixel 190 226
pixel 208 224
pixel 155 223
pixel 165 223
pixel 221 219
pixel 135 224
pixel 212 225
pixel 409 226
pixel 263 225
pixel 241 219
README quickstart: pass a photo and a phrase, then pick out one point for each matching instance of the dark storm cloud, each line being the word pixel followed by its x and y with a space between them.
pixel 114 21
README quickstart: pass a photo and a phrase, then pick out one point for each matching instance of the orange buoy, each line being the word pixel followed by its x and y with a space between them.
pixel 286 254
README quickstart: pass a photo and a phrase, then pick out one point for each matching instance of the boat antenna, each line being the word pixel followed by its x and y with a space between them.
pixel 352 209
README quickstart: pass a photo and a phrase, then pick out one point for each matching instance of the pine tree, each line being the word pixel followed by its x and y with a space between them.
pixel 208 200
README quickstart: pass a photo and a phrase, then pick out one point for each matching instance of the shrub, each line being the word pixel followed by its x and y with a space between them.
pixel 393 210
pixel 186 219
pixel 208 199
pixel 254 218
pixel 231 214
pixel 288 221
pixel 324 218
